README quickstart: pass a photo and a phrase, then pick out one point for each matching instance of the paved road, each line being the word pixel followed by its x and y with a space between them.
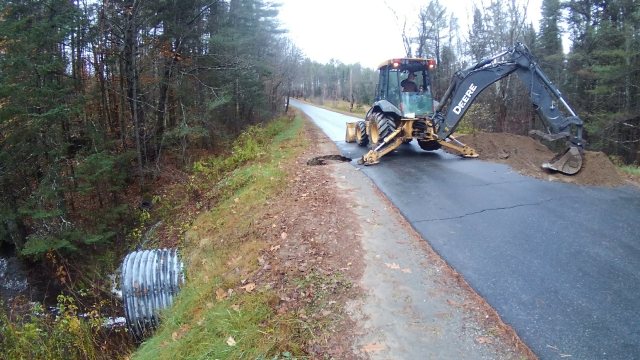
pixel 558 262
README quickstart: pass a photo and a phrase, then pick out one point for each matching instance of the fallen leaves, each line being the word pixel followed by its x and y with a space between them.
pixel 177 335
pixel 394 266
pixel 221 294
pixel 249 287
pixel 453 303
pixel 373 347
pixel 231 341
pixel 484 340
pixel 234 261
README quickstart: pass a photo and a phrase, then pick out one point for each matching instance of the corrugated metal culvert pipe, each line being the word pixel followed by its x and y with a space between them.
pixel 150 279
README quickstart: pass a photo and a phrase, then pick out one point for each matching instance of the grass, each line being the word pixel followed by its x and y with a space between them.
pixel 214 317
pixel 631 169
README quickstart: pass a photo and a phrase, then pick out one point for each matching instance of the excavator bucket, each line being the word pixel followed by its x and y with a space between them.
pixel 568 162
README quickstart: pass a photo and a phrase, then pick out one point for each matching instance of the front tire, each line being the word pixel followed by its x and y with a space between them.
pixel 361 133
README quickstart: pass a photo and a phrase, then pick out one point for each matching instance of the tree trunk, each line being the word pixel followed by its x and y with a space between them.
pixel 133 90
pixel 163 96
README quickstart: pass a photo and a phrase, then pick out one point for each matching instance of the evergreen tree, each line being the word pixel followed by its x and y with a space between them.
pixel 478 37
pixel 549 38
pixel 38 108
pixel 548 48
pixel 604 57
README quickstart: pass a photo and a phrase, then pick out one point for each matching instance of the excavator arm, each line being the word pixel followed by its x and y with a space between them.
pixel 467 84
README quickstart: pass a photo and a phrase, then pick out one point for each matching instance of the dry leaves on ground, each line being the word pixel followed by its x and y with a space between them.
pixel 220 294
pixel 231 341
pixel 373 347
pixel 484 340
pixel 249 287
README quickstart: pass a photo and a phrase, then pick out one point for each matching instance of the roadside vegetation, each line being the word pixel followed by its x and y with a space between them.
pixel 103 108
pixel 223 312
pixel 214 316
pixel 633 170
pixel 63 332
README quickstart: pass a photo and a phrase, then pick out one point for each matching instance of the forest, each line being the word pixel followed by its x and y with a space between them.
pixel 99 98
pixel 96 96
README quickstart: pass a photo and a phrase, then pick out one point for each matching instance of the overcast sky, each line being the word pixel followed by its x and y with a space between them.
pixel 362 31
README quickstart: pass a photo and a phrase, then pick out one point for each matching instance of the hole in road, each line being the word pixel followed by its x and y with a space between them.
pixel 321 160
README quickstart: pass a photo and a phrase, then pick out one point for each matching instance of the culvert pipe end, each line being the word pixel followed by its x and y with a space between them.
pixel 150 281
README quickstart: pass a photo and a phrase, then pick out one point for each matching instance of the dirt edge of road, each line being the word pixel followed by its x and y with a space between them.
pixel 408 302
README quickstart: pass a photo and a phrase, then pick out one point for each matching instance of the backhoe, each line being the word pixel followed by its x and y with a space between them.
pixel 405 109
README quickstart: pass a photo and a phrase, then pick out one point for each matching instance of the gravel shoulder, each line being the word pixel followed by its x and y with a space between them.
pixel 408 303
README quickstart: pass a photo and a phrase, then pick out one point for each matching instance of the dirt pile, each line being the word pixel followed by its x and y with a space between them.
pixel 526 156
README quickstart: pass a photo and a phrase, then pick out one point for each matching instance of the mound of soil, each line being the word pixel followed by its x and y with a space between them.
pixel 526 156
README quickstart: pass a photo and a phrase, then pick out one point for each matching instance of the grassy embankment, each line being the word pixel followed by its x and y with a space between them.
pixel 218 314
pixel 630 169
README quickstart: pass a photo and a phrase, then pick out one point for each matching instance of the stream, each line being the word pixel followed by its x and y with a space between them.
pixel 13 278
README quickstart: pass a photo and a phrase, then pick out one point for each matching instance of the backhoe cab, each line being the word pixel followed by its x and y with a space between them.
pixel 403 112
pixel 405 84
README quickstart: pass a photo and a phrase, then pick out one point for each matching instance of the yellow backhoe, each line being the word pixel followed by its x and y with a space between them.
pixel 405 109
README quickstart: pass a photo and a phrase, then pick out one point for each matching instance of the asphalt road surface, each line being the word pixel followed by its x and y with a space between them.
pixel 560 263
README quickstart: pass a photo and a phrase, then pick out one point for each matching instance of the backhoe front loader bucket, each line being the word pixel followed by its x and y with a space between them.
pixel 568 162
pixel 350 135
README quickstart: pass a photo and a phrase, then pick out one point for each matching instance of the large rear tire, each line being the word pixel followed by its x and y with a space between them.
pixel 361 133
pixel 381 127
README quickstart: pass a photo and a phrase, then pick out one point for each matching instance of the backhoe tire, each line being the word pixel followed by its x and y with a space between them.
pixel 361 133
pixel 381 127
pixel 429 145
